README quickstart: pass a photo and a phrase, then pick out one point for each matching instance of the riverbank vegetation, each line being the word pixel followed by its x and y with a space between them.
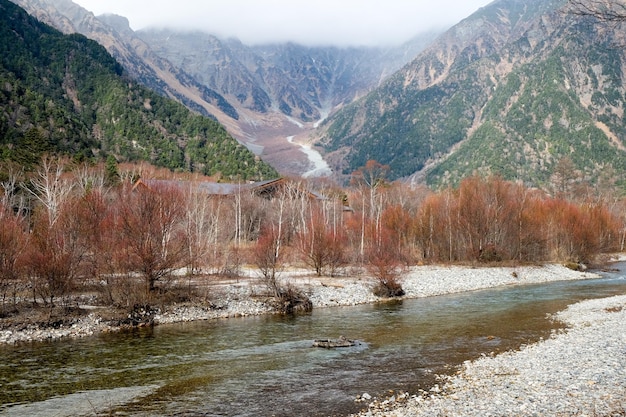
pixel 69 230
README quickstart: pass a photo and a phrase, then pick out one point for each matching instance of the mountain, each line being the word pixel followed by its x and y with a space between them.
pixel 66 94
pixel 282 91
pixel 302 82
pixel 115 34
pixel 512 90
pixel 269 97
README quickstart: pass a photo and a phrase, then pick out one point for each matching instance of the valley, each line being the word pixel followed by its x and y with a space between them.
pixel 165 176
pixel 443 105
pixel 261 94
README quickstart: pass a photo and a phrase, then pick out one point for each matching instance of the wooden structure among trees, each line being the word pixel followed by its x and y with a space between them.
pixel 268 189
pixel 63 230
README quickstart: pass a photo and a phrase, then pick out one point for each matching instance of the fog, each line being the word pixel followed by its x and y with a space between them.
pixel 321 22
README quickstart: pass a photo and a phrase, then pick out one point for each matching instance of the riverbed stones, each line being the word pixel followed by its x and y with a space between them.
pixel 578 372
pixel 84 326
pixel 239 300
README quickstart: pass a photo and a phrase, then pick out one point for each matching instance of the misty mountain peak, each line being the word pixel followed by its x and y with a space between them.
pixel 117 22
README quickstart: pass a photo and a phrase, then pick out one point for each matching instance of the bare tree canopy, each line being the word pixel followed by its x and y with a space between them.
pixel 604 10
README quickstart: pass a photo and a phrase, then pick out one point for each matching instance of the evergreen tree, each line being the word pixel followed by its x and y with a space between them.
pixel 112 175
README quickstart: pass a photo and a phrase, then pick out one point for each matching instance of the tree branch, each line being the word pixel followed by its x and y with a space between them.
pixel 603 10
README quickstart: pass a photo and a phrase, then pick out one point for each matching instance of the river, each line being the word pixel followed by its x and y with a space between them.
pixel 266 366
pixel 318 167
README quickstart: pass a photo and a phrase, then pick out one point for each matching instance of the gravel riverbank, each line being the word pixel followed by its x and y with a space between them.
pixel 238 299
pixel 577 372
pixel 427 281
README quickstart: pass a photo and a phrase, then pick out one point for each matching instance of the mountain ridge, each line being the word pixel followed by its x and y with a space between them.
pixel 66 94
pixel 480 98
pixel 439 111
pixel 68 17
pixel 284 90
pixel 272 99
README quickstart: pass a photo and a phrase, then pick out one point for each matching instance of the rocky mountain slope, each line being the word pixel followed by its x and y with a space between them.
pixel 284 90
pixel 114 33
pixel 519 88
pixel 263 95
pixel 304 83
pixel 65 94
pixel 512 90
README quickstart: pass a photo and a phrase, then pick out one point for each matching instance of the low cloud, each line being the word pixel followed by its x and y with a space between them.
pixel 324 22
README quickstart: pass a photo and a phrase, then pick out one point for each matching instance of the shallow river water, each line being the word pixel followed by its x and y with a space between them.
pixel 266 366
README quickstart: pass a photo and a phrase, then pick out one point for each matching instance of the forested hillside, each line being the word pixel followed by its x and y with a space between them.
pixel 65 94
pixel 262 94
pixel 515 90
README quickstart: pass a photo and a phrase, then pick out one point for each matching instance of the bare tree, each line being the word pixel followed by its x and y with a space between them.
pixel 56 253
pixel 297 203
pixel 250 213
pixel 93 215
pixel 267 256
pixel 89 178
pixel 564 178
pixel 50 188
pixel 321 246
pixel 11 190
pixel 198 228
pixel 151 231
pixel 13 243
pixel 370 178
pixel 620 214
pixel 603 10
pixel 383 263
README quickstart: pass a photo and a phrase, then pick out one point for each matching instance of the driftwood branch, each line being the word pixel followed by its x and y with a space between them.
pixel 603 10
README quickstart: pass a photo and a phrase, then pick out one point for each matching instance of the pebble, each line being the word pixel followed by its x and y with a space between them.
pixel 578 371
pixel 85 326
pixel 238 300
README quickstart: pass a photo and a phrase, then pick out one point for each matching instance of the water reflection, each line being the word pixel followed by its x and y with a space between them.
pixel 263 366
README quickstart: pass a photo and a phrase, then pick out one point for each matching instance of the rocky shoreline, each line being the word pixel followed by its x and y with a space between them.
pixel 240 298
pixel 576 372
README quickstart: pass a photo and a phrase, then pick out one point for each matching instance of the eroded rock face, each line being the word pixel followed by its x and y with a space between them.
pixel 515 77
pixel 262 94
pixel 136 56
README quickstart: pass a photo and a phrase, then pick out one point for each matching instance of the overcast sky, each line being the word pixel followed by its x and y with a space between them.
pixel 336 22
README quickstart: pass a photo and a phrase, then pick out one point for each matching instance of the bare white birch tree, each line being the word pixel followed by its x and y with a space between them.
pixel 89 178
pixel 197 228
pixel 50 188
pixel 10 189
